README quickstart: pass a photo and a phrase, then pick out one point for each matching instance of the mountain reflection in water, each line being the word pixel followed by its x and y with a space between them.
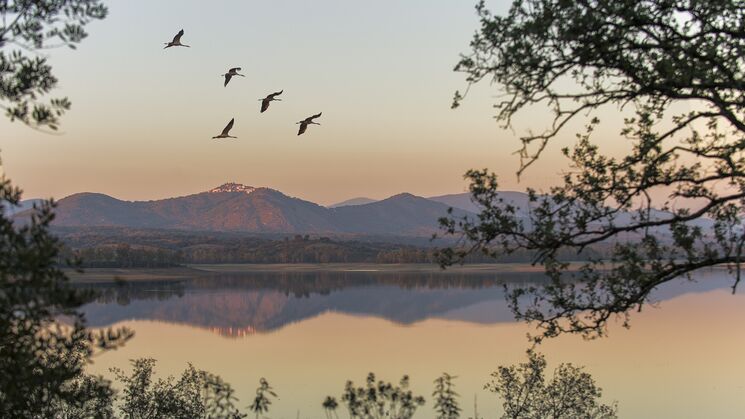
pixel 238 305
pixel 308 333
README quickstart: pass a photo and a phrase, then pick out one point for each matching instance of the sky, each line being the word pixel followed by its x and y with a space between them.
pixel 380 71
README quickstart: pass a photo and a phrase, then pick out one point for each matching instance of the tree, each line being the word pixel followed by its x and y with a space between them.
pixel 329 406
pixel 446 399
pixel 44 341
pixel 262 400
pixel 575 57
pixel 571 393
pixel 378 399
pixel 196 394
pixel 26 27
pixel 92 397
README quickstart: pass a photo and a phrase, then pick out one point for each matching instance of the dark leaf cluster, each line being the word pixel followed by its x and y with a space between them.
pixel 26 28
pixel 44 341
pixel 377 399
pixel 570 394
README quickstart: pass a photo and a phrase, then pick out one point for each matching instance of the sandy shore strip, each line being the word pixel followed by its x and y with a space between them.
pixel 103 275
pixel 368 267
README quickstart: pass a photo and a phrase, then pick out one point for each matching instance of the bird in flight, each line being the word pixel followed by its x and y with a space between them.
pixel 232 72
pixel 225 132
pixel 307 121
pixel 268 99
pixel 176 41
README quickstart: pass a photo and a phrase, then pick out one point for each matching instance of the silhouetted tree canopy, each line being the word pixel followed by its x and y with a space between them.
pixel 44 342
pixel 446 398
pixel 525 393
pixel 196 394
pixel 28 27
pixel 377 399
pixel 570 394
pixel 650 57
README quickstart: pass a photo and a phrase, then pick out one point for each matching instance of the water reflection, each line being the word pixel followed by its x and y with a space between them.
pixel 308 333
pixel 239 305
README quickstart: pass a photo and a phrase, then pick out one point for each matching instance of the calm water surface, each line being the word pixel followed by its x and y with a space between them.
pixel 307 333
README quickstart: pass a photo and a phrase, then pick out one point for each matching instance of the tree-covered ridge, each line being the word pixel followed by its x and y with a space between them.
pixel 129 248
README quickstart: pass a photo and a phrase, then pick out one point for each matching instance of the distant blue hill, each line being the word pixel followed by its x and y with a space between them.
pixel 463 200
pixel 521 201
pixel 25 205
pixel 353 201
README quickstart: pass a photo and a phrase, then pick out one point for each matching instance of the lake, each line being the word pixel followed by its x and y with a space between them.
pixel 309 332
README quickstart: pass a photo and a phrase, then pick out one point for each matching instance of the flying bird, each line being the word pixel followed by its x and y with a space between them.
pixel 176 41
pixel 225 132
pixel 268 99
pixel 232 72
pixel 307 121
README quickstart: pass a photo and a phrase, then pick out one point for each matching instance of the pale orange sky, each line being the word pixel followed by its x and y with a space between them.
pixel 381 73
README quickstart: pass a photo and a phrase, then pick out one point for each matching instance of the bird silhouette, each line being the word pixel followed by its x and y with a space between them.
pixel 307 121
pixel 176 41
pixel 225 132
pixel 232 72
pixel 268 99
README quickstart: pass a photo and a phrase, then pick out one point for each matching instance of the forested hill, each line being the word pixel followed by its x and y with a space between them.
pixel 124 248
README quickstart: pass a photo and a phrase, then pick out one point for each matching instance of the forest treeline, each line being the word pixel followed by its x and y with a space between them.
pixel 126 248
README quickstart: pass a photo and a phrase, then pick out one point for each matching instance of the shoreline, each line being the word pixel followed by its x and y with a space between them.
pixel 181 273
pixel 366 267
pixel 112 275
pixel 106 275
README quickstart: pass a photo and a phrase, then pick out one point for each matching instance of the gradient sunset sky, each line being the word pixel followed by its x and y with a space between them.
pixel 381 73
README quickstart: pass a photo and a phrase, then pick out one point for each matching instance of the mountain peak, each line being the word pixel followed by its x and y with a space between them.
pixel 403 195
pixel 233 187
pixel 352 202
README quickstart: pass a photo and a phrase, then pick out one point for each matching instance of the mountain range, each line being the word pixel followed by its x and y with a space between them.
pixel 239 208
pixel 234 207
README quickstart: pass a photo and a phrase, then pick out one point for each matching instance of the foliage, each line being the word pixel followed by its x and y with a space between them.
pixel 329 406
pixel 196 394
pixel 574 58
pixel 446 399
pixel 41 357
pixel 26 27
pixel 262 400
pixel 378 399
pixel 571 393
pixel 91 397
